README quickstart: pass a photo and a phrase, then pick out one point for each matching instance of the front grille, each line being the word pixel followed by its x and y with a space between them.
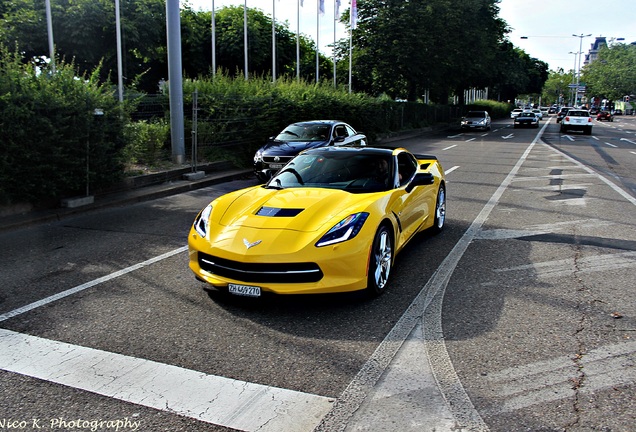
pixel 281 159
pixel 260 272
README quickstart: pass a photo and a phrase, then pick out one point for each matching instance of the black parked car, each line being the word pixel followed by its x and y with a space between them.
pixel 300 136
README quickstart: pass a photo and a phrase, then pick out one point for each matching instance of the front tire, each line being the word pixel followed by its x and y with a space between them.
pixel 380 261
pixel 440 210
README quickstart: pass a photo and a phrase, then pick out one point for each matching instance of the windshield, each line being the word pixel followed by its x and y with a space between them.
pixel 358 173
pixel 305 132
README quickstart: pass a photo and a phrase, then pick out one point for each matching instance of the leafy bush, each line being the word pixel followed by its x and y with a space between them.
pixel 50 132
pixel 146 141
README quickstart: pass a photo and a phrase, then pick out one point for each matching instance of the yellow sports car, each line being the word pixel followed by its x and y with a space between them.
pixel 332 220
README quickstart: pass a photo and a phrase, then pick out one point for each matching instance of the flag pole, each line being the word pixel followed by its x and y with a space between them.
pixel 353 17
pixel 245 36
pixel 298 40
pixel 213 24
pixel 317 37
pixel 273 40
pixel 335 19
pixel 49 27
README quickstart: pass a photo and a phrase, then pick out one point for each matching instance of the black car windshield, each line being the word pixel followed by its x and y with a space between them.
pixel 530 115
pixel 573 113
pixel 305 132
pixel 357 173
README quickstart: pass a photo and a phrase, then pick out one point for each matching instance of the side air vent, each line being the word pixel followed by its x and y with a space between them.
pixel 278 212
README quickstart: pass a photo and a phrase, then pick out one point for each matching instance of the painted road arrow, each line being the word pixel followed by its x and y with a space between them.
pixel 508 136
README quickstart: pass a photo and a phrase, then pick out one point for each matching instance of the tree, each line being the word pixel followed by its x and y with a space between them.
pixel 613 74
pixel 405 48
pixel 556 89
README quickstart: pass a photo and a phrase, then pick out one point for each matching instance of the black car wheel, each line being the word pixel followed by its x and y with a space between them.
pixel 440 210
pixel 381 260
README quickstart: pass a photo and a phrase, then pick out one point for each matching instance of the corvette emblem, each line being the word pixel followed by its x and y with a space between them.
pixel 249 245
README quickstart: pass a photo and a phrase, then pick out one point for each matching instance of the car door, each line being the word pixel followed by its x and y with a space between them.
pixel 412 207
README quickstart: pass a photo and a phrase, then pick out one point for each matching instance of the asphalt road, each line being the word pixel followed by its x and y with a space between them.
pixel 521 314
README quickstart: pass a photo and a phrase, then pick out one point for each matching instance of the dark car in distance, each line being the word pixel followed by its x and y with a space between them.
pixel 296 137
pixel 526 119
pixel 604 116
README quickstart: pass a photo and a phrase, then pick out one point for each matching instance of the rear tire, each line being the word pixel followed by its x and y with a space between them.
pixel 380 261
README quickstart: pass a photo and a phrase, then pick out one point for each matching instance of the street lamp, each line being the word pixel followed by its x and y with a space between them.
pixel 581 36
pixel 578 75
pixel 574 90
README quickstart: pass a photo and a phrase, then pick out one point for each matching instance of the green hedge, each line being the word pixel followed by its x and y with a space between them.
pixel 48 127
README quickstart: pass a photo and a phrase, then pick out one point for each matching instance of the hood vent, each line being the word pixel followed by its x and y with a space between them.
pixel 278 212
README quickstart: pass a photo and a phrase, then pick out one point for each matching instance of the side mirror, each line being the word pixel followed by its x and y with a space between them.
pixel 421 179
pixel 338 139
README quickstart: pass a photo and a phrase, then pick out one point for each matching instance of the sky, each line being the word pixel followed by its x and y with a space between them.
pixel 549 25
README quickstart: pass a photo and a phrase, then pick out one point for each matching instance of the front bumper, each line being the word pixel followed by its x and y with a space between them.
pixel 338 268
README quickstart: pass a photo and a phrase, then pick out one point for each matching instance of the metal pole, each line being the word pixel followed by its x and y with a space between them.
pixel 213 41
pixel 298 40
pixel 573 77
pixel 335 20
pixel 120 79
pixel 317 38
pixel 273 40
pixel 175 80
pixel 245 36
pixel 49 26
pixel 578 76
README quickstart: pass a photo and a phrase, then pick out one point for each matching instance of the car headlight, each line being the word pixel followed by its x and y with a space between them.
pixel 344 230
pixel 202 222
pixel 258 157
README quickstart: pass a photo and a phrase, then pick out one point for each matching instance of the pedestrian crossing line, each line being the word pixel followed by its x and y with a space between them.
pixel 213 399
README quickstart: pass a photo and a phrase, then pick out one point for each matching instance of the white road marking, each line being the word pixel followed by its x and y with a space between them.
pixel 508 136
pixel 556 176
pixel 71 291
pixel 629 141
pixel 212 399
pixel 449 147
pixel 611 145
pixel 471 139
pixel 538 229
pixel 426 306
pixel 612 185
pixel 450 170
pixel 567 267
pixel 550 380
pixel 568 137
